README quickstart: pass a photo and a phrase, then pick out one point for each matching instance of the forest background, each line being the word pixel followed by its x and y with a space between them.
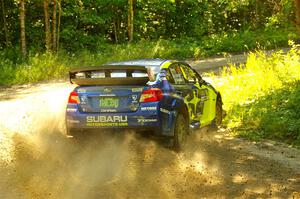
pixel 43 39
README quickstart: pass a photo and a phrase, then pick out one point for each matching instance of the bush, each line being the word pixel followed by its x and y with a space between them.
pixel 262 97
pixel 47 66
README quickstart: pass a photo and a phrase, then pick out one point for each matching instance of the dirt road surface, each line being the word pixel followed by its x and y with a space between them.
pixel 214 63
pixel 38 161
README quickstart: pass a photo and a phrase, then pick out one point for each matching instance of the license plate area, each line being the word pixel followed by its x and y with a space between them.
pixel 109 102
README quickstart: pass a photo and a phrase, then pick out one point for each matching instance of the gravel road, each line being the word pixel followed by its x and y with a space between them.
pixel 38 161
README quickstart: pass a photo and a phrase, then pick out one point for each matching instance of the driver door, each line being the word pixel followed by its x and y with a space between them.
pixel 197 96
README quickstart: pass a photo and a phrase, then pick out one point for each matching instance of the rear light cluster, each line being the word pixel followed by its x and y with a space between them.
pixel 151 95
pixel 73 98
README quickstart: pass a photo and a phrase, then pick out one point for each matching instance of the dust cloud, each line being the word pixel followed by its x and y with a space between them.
pixel 38 161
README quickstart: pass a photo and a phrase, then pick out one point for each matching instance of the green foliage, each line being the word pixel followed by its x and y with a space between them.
pixel 39 66
pixel 262 97
pixel 86 24
pixel 279 114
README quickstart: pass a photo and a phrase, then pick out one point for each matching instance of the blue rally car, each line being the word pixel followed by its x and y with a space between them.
pixel 167 98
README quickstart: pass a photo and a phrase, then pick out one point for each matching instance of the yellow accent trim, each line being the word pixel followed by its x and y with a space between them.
pixel 166 64
pixel 183 72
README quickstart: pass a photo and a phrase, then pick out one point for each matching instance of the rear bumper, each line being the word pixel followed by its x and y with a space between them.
pixel 147 117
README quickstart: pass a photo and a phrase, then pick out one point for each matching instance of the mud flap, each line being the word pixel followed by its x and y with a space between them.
pixel 168 123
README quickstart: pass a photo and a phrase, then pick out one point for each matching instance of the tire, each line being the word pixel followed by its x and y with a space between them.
pixel 180 132
pixel 219 115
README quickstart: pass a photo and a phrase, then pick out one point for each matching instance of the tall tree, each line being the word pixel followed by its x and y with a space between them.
pixel 22 27
pixel 130 20
pixel 5 23
pixel 297 13
pixel 47 25
pixel 115 25
pixel 54 42
pixel 58 24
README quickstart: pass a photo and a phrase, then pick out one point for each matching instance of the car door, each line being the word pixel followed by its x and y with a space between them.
pixel 209 97
pixel 198 96
pixel 185 86
pixel 178 81
pixel 181 89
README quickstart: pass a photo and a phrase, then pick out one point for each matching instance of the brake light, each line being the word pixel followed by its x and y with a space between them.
pixel 151 95
pixel 73 98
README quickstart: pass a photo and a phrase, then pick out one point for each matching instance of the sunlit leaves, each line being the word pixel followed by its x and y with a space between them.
pixel 262 96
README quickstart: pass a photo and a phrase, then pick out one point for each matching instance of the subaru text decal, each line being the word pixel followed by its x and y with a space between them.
pixel 116 118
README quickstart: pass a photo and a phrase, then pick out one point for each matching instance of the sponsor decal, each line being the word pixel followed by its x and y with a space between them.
pixel 143 120
pixel 107 95
pixel 149 108
pixel 108 110
pixel 107 124
pixel 164 110
pixel 163 78
pixel 107 90
pixel 134 106
pixel 137 89
pixel 104 119
pixel 71 110
pixel 83 99
pixel 134 98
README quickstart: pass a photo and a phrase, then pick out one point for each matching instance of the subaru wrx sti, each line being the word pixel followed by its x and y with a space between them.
pixel 167 98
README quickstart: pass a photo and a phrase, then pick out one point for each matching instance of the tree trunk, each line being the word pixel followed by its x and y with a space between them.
pixel 115 31
pixel 130 20
pixel 22 27
pixel 54 26
pixel 47 25
pixel 58 24
pixel 7 43
pixel 297 14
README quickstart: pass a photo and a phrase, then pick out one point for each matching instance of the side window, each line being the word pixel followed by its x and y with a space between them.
pixel 170 77
pixel 188 74
pixel 199 78
pixel 177 74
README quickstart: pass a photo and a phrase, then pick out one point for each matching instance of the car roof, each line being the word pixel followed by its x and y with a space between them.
pixel 139 62
pixel 132 64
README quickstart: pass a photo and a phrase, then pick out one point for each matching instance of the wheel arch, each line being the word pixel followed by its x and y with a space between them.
pixel 184 111
pixel 219 97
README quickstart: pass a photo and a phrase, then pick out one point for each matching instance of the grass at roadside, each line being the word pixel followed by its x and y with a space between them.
pixel 46 66
pixel 262 97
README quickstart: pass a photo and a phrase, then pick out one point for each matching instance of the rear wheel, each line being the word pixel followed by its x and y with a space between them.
pixel 219 114
pixel 180 132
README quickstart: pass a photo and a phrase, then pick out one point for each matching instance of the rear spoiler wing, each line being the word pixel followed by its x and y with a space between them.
pixel 87 79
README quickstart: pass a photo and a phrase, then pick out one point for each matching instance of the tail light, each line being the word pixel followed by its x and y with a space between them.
pixel 151 95
pixel 73 98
